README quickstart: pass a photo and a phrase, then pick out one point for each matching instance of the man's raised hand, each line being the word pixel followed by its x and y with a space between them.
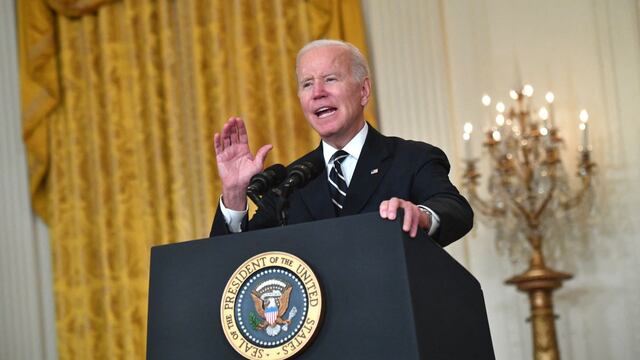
pixel 236 163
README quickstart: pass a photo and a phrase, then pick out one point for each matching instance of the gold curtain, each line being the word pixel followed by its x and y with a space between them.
pixel 120 101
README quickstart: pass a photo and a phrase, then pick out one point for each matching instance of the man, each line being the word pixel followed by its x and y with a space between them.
pixel 374 173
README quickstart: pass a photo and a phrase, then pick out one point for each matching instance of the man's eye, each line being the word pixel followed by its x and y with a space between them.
pixel 306 85
pixel 331 79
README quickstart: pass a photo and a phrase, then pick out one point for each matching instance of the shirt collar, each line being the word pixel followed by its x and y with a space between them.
pixel 353 147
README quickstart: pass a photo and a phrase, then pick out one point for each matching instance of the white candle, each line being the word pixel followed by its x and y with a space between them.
pixel 486 101
pixel 546 139
pixel 467 145
pixel 550 97
pixel 584 118
pixel 543 114
pixel 466 136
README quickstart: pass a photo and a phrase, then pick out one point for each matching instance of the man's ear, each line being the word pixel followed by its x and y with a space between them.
pixel 365 91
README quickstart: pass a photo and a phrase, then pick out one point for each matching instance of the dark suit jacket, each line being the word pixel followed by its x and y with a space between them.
pixel 409 170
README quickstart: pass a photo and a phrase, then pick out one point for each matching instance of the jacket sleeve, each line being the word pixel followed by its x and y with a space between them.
pixel 263 218
pixel 219 226
pixel 432 188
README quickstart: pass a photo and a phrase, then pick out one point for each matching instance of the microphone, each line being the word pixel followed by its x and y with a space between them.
pixel 264 181
pixel 299 175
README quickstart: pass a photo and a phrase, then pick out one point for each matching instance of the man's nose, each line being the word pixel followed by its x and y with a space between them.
pixel 319 90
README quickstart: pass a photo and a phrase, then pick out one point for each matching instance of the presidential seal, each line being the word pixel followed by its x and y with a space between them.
pixel 271 306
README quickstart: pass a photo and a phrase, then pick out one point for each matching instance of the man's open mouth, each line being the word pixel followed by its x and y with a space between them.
pixel 325 111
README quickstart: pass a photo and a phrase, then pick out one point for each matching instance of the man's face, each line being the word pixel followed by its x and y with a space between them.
pixel 331 99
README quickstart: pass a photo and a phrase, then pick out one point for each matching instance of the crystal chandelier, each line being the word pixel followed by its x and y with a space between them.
pixel 530 199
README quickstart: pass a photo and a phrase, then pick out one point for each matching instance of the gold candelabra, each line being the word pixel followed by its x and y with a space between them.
pixel 527 189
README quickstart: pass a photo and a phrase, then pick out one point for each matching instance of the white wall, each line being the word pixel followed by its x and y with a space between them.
pixel 432 60
pixel 27 328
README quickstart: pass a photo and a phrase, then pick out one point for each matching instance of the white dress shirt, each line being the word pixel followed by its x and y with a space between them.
pixel 353 148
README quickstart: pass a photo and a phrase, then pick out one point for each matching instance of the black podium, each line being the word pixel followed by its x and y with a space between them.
pixel 386 296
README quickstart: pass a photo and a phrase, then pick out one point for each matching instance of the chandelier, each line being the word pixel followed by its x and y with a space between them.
pixel 530 201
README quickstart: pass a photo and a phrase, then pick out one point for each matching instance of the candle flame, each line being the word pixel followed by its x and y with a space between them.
pixel 496 135
pixel 486 100
pixel 549 97
pixel 543 113
pixel 584 116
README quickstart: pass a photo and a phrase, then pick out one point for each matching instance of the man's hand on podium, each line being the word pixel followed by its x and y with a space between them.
pixel 413 217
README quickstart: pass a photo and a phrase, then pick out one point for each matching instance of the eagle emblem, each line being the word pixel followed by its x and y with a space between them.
pixel 271 301
pixel 267 311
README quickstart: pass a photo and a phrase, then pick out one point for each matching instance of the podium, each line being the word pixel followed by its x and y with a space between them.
pixel 386 295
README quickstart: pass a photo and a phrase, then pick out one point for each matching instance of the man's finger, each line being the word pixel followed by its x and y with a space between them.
pixel 242 132
pixel 225 134
pixel 383 209
pixel 408 219
pixel 217 144
pixel 233 130
pixel 415 222
pixel 392 209
pixel 262 154
pixel 233 133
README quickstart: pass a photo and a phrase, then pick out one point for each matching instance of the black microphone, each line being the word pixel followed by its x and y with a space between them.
pixel 299 175
pixel 264 181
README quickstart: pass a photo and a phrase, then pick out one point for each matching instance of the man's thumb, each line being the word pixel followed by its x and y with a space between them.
pixel 262 153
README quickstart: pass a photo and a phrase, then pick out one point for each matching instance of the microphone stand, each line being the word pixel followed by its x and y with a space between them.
pixel 255 198
pixel 281 210
pixel 283 203
pixel 299 176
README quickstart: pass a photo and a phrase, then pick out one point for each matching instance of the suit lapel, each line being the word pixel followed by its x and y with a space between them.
pixel 315 194
pixel 372 165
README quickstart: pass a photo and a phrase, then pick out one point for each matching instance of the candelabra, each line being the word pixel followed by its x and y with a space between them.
pixel 529 191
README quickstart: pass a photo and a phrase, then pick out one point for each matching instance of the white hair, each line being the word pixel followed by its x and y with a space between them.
pixel 359 65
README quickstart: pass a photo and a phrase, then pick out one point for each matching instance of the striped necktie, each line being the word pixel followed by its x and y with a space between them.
pixel 337 181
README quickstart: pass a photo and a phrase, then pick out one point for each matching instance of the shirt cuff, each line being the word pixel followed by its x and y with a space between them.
pixel 435 220
pixel 233 218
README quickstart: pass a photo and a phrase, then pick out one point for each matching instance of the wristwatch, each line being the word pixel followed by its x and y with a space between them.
pixel 426 211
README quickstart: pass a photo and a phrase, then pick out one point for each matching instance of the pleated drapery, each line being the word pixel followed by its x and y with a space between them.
pixel 120 101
